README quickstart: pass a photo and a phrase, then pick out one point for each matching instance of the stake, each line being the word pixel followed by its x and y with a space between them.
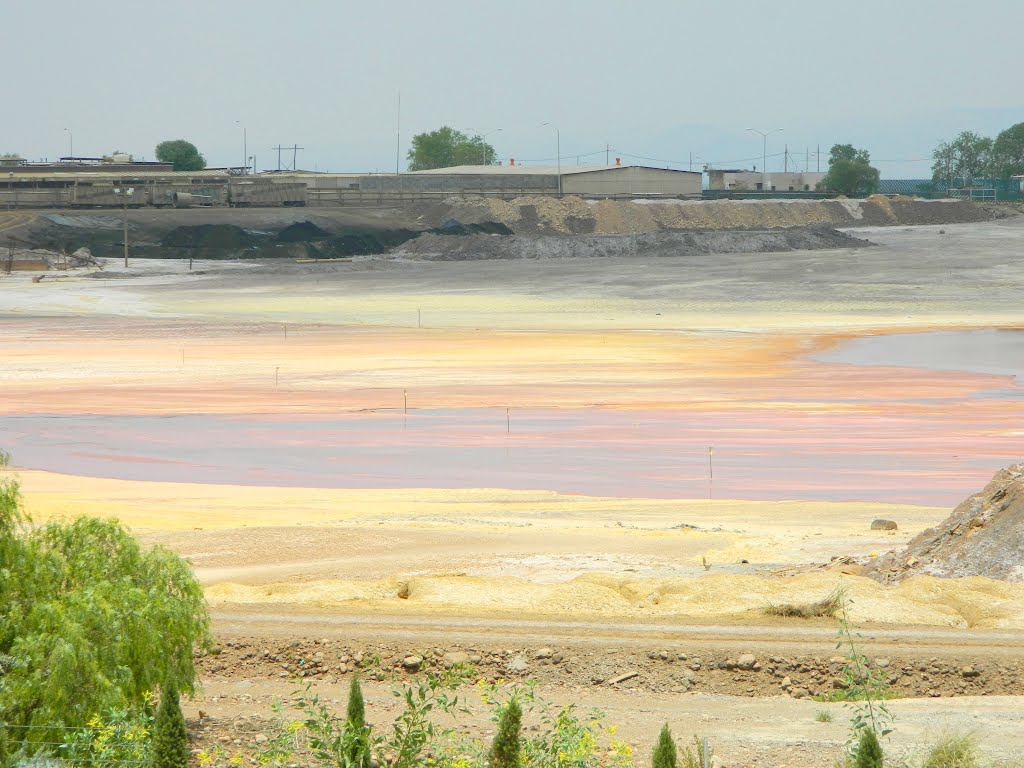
pixel 405 401
pixel 508 421
pixel 286 331
pixel 419 320
pixel 711 472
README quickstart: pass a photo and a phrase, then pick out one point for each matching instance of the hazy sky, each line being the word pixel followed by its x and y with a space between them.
pixel 656 79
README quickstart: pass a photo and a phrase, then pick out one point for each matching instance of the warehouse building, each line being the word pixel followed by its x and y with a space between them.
pixel 586 180
pixel 739 180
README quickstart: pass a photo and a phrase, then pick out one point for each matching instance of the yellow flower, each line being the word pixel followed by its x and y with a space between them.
pixel 204 758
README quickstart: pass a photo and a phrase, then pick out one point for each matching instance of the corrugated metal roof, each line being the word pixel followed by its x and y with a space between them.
pixel 542 170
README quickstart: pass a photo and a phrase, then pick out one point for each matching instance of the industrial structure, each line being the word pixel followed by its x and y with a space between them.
pixel 741 180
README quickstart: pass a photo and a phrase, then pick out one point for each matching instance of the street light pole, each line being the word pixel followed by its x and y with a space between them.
pixel 71 143
pixel 558 153
pixel 125 193
pixel 245 147
pixel 483 144
pixel 764 150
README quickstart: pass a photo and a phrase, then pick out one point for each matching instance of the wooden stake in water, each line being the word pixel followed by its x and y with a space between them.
pixel 711 471
pixel 419 319
pixel 286 331
pixel 508 421
pixel 405 401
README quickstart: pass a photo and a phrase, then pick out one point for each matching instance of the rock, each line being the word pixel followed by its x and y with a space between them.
pixel 800 693
pixel 969 671
pixel 746 661
pixel 455 658
pixel 261 738
pixel 543 653
pixel 787 682
pixel 883 525
pixel 412 663
pixel 882 663
pixel 518 665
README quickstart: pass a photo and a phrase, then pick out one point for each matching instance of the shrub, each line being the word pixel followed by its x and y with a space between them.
pixel 170 739
pixel 868 753
pixel 954 750
pixel 506 749
pixel 665 750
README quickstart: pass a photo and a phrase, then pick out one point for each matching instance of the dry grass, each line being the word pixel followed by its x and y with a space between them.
pixel 827 607
pixel 954 750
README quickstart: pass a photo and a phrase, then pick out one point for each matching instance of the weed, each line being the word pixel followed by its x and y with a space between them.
pixel 823 716
pixel 954 750
pixel 830 606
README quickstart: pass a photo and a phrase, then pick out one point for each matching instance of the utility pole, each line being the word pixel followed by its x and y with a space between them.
pixel 398 133
pixel 606 149
pixel 785 159
pixel 764 151
pixel 818 153
pixel 558 152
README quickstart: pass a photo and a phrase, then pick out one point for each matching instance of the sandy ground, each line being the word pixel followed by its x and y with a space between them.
pixel 729 337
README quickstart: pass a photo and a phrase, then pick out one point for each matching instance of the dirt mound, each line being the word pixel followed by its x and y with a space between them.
pixel 213 236
pixel 302 232
pixel 983 537
pixel 574 215
pixel 434 247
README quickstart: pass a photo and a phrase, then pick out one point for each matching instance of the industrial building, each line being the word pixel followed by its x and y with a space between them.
pixel 740 180
pixel 586 180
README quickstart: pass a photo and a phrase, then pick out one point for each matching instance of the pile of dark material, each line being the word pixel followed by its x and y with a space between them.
pixel 983 537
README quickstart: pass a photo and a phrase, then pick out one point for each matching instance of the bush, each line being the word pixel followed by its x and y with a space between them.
pixel 954 750
pixel 868 753
pixel 665 750
pixel 506 749
pixel 170 739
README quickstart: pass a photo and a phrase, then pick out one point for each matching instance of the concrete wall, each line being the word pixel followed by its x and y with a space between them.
pixel 459 182
pixel 632 181
pixel 776 181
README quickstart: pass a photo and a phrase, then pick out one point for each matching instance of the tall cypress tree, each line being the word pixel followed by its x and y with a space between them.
pixel 665 750
pixel 357 741
pixel 505 749
pixel 170 739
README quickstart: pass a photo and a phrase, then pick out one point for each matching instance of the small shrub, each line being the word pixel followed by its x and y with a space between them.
pixel 506 751
pixel 829 606
pixel 868 753
pixel 823 716
pixel 954 750
pixel 170 739
pixel 357 746
pixel 665 750
pixel 694 757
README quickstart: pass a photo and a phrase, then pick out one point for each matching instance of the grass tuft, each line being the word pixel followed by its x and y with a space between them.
pixel 827 607
pixel 954 750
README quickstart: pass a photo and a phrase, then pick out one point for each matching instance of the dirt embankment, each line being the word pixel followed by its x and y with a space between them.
pixel 658 669
pixel 432 247
pixel 984 536
pixel 576 216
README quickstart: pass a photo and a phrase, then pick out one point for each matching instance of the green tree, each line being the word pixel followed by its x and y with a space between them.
pixel 962 160
pixel 850 171
pixel 665 750
pixel 170 739
pixel 506 749
pixel 183 154
pixel 1008 152
pixel 447 147
pixel 89 622
pixel 868 753
pixel 357 743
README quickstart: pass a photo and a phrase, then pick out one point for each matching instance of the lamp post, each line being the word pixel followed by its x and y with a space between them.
pixel 125 194
pixel 71 143
pixel 252 161
pixel 764 150
pixel 483 144
pixel 558 154
pixel 245 147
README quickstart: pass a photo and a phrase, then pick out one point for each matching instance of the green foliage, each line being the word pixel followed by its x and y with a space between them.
pixel 357 750
pixel 118 737
pixel 447 147
pixel 665 750
pixel 965 158
pixel 5 458
pixel 868 753
pixel 91 622
pixel 183 154
pixel 506 749
pixel 850 171
pixel 865 690
pixel 170 739
pixel 954 750
pixel 1008 152
pixel 823 716
pixel 694 757
pixel 413 729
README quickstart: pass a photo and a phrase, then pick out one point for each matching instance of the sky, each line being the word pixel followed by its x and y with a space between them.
pixel 652 82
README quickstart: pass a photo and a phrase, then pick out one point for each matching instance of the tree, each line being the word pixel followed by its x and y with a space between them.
pixel 868 752
pixel 170 738
pixel 850 171
pixel 357 743
pixel 1008 152
pixel 183 154
pixel 447 147
pixel 665 750
pixel 89 622
pixel 505 749
pixel 965 158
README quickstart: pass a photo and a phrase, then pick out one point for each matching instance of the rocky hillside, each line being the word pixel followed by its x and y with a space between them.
pixel 983 537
